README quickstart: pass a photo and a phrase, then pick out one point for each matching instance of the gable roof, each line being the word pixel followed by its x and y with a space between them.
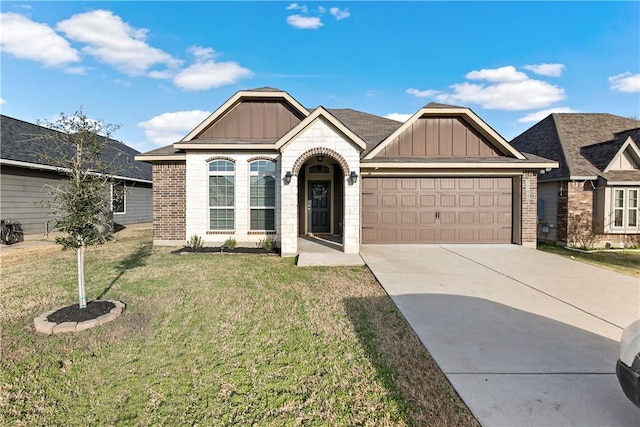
pixel 29 145
pixel 260 93
pixel 582 143
pixel 371 128
pixel 466 114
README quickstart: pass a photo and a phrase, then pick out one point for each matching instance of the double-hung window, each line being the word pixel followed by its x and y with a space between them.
pixel 262 196
pixel 221 195
pixel 625 209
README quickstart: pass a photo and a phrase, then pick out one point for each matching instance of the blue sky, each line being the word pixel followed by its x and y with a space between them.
pixel 159 68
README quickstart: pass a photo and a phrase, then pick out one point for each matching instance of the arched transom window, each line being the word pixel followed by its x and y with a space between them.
pixel 221 195
pixel 262 195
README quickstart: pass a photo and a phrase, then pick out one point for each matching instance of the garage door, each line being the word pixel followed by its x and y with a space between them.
pixel 436 210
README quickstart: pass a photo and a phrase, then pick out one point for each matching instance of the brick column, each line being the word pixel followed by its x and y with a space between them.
pixel 529 208
pixel 169 203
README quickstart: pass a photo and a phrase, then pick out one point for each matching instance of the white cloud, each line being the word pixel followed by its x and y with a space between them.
pixel 111 40
pixel 168 128
pixel 321 9
pixel 500 75
pixel 207 73
pixel 339 14
pixel 539 115
pixel 551 70
pixel 422 93
pixel 25 39
pixel 400 117
pixel 625 82
pixel 2 101
pixel 304 22
pixel 511 90
pixel 296 6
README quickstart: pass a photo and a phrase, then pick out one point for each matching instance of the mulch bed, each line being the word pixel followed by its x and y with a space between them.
pixel 73 313
pixel 218 249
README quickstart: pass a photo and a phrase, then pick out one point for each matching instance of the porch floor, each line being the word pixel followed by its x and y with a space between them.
pixel 316 251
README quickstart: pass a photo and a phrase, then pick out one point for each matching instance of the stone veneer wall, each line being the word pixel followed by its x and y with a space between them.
pixel 529 208
pixel 169 204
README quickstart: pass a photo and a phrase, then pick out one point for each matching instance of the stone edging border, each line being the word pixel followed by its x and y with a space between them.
pixel 44 326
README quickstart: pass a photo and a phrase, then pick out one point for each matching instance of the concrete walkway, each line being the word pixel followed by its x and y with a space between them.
pixel 525 337
pixel 314 252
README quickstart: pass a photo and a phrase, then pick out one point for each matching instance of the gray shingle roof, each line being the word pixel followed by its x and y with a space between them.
pixel 26 142
pixel 580 142
pixel 371 128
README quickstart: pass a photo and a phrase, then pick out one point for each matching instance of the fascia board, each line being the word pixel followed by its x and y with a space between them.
pixel 214 147
pixel 470 116
pixel 40 166
pixel 236 98
pixel 145 158
pixel 629 143
pixel 412 165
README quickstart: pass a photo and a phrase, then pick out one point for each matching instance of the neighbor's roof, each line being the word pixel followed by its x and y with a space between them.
pixel 582 143
pixel 29 145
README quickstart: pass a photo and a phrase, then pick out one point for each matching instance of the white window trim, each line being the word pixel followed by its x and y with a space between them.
pixel 251 208
pixel 124 200
pixel 613 229
pixel 209 207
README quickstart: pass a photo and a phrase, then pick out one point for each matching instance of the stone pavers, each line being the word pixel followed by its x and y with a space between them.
pixel 46 327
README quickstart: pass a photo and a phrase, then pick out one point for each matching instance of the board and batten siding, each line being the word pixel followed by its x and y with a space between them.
pixel 22 191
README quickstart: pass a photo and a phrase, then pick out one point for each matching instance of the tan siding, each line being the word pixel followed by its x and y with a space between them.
pixel 439 137
pixel 253 119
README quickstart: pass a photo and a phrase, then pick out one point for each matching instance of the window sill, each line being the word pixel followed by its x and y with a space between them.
pixel 222 232
pixel 257 232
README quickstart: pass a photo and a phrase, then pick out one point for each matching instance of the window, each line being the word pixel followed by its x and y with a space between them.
pixel 221 195
pixel 262 195
pixel 625 208
pixel 118 199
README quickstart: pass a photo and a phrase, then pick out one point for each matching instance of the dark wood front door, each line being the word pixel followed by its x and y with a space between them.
pixel 319 207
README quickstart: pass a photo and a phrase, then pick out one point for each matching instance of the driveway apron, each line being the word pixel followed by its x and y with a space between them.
pixel 525 337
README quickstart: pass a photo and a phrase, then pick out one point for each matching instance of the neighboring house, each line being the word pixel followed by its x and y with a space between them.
pixel 27 171
pixel 264 165
pixel 599 174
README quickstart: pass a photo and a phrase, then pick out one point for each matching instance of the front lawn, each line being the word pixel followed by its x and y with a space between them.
pixel 625 262
pixel 212 340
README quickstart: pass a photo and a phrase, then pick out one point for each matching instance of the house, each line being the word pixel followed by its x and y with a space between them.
pixel 264 165
pixel 599 175
pixel 27 170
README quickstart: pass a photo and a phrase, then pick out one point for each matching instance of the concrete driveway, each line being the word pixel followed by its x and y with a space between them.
pixel 525 337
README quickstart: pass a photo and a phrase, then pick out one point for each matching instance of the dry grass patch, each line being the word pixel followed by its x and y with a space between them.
pixel 625 262
pixel 214 340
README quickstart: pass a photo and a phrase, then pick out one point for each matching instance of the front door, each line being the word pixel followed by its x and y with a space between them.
pixel 318 206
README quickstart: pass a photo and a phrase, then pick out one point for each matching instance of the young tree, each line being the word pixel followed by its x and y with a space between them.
pixel 82 202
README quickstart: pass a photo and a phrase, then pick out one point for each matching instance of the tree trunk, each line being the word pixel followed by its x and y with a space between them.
pixel 82 295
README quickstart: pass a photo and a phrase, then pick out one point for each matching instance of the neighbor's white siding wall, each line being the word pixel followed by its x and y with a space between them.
pixel 319 134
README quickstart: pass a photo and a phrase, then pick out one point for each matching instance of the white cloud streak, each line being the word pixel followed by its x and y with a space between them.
pixel 26 39
pixel 550 70
pixel 296 6
pixel 167 128
pixel 399 117
pixel 539 115
pixel 304 22
pixel 339 14
pixel 625 82
pixel 508 89
pixel 206 73
pixel 422 93
pixel 111 40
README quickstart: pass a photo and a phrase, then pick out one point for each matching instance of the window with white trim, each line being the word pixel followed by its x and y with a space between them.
pixel 118 199
pixel 221 195
pixel 625 209
pixel 262 195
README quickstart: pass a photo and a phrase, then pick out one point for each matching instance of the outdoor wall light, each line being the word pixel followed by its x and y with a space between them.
pixel 287 177
pixel 353 176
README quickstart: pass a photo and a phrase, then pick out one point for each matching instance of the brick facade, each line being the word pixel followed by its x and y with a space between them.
pixel 529 208
pixel 169 204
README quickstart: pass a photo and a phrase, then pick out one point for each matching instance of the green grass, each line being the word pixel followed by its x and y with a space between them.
pixel 625 262
pixel 213 340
